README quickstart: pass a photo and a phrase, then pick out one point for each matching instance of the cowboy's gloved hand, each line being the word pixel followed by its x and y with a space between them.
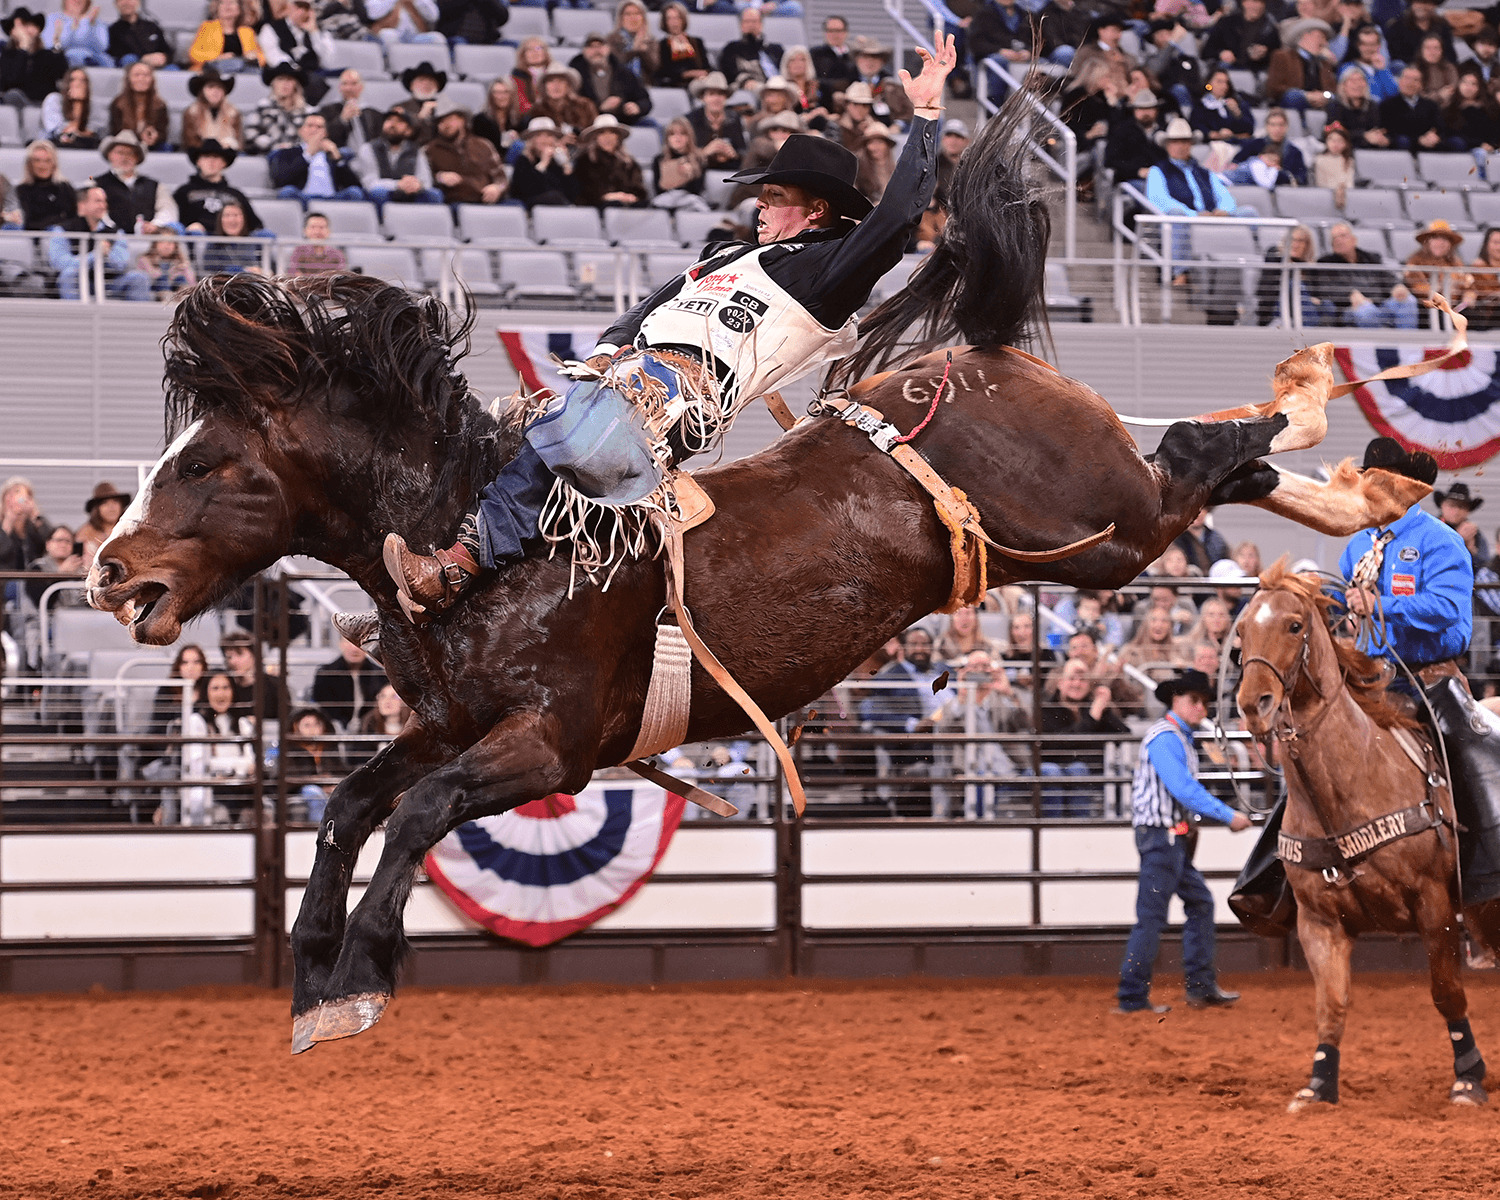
pixel 598 361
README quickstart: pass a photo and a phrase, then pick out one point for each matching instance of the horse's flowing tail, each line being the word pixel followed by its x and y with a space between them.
pixel 983 284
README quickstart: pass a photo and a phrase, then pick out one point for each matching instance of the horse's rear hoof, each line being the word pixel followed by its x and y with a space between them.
pixel 1466 1091
pixel 349 1016
pixel 1307 1098
pixel 303 1028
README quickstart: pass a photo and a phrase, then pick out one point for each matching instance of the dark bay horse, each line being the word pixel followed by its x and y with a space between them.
pixel 1345 768
pixel 312 416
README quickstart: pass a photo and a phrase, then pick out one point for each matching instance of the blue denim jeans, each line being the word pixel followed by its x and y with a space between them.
pixel 1166 872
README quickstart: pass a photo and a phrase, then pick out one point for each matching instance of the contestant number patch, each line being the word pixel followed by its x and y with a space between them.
pixel 737 318
pixel 1403 585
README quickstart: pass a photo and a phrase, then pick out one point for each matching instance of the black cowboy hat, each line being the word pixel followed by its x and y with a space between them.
pixel 284 70
pixel 213 146
pixel 209 75
pixel 1459 493
pixel 1182 684
pixel 821 167
pixel 25 16
pixel 424 68
pixel 103 492
pixel 1387 454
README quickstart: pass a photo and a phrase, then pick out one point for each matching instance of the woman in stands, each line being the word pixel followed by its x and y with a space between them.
pixel 227 39
pixel 226 761
pixel 60 557
pixel 1444 270
pixel 497 122
pixel 1153 649
pixel 1213 624
pixel 385 720
pixel 631 42
pixel 23 530
pixel 1334 167
pixel 1353 108
pixel 679 170
pixel 1299 247
pixel 544 172
pixel 230 258
pixel 1484 313
pixel 1247 556
pixel 166 707
pixel 532 60
pixel 139 109
pixel 606 175
pixel 1220 114
pixel 104 508
pixel 1471 120
pixel 68 113
pixel 877 161
pixel 45 197
pixel 682 57
pixel 1439 76
pixel 211 117
pixel 802 77
pixel 961 636
pixel 560 101
pixel 79 33
pixel 168 266
pixel 1014 652
pixel 308 758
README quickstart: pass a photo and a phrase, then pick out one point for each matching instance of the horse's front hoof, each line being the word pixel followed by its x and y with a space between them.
pixel 1307 1098
pixel 1466 1091
pixel 303 1028
pixel 349 1016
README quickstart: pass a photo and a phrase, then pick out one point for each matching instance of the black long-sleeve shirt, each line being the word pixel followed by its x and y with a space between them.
pixel 829 272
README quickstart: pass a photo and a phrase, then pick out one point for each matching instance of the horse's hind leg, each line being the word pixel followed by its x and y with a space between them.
pixel 1328 949
pixel 515 763
pixel 357 806
pixel 1443 938
pixel 1349 501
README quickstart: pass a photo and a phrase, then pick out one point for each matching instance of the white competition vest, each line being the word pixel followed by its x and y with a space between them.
pixel 750 323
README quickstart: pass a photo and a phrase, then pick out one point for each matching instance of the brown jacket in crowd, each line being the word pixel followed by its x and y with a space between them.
pixel 572 114
pixel 473 158
pixel 1286 72
pixel 597 174
pixel 200 125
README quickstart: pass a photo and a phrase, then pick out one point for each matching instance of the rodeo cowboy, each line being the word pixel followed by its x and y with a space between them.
pixel 667 379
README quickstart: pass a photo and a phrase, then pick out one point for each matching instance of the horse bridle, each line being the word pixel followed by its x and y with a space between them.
pixel 1283 728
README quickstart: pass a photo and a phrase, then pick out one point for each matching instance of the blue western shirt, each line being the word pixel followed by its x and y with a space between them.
pixel 1168 192
pixel 1426 588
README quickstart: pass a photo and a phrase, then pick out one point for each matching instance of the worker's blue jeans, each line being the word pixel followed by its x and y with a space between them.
pixel 1166 872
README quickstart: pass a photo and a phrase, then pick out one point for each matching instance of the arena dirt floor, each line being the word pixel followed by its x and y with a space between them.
pixel 1017 1087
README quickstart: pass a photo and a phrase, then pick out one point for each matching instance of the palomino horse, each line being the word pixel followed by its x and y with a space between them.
pixel 1367 835
pixel 312 416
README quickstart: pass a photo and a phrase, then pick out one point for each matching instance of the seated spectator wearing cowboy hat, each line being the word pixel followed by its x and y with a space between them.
pixel 313 169
pixel 606 175
pixel 200 200
pixel 104 508
pixel 1165 790
pixel 1132 149
pixel 1440 243
pixel 211 115
pixel 877 161
pixel 873 63
pixel 277 120
pixel 392 168
pixel 424 82
pixel 1181 186
pixel 560 101
pixel 29 71
pixel 1454 508
pixel 465 167
pixel 544 172
pixel 137 203
pixel 777 96
pixel 1304 72
pixel 717 131
pixel 610 85
pixel 851 126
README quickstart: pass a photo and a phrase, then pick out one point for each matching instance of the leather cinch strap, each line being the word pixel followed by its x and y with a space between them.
pixel 1456 346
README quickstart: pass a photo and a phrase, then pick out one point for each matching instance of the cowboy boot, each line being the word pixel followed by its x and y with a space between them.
pixel 429 584
pixel 361 628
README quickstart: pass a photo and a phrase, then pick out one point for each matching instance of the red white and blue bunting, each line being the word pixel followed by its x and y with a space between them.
pixel 555 866
pixel 1453 413
pixel 531 353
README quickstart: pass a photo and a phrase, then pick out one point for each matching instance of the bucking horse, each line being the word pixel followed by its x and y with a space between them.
pixel 312 416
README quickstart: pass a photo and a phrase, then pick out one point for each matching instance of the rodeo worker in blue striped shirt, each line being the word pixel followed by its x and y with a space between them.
pixel 1165 790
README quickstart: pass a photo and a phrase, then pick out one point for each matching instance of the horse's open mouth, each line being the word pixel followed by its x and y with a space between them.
pixel 144 611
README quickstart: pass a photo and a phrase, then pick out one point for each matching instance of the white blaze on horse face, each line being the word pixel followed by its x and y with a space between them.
pixel 133 516
pixel 1265 614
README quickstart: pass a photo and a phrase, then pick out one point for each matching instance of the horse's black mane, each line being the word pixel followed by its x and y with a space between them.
pixel 243 345
pixel 984 282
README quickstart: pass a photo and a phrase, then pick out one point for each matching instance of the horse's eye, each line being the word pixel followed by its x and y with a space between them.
pixel 1296 626
pixel 194 470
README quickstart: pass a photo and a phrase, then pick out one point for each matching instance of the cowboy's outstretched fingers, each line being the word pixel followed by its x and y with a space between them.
pixel 926 90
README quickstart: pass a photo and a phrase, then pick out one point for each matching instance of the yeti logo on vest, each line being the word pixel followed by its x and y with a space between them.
pixel 749 323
